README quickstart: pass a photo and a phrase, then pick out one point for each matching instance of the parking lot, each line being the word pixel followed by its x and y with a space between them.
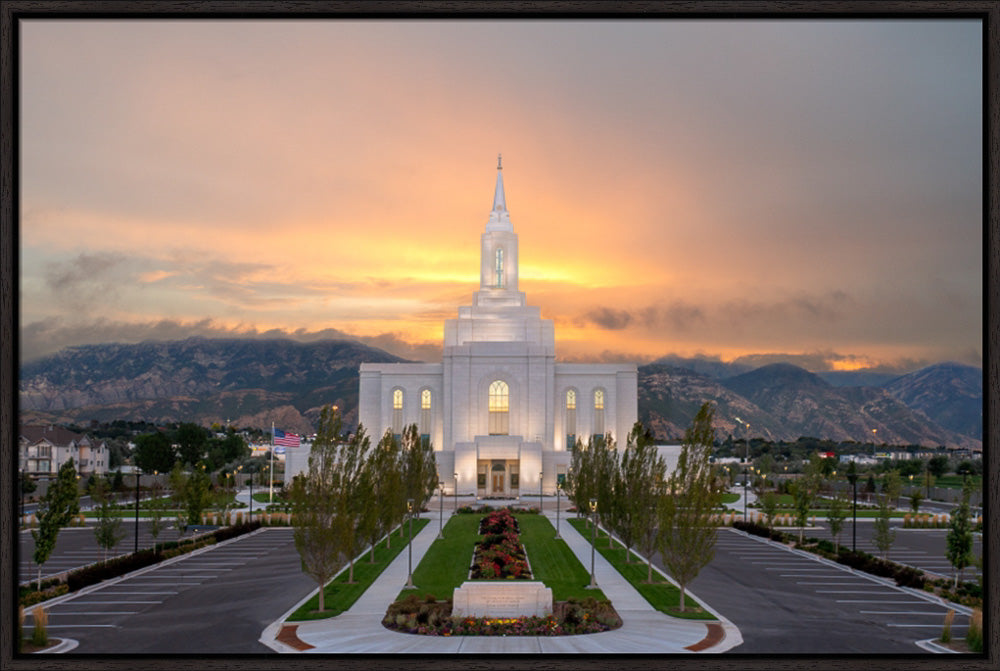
pixel 77 546
pixel 213 601
pixel 787 602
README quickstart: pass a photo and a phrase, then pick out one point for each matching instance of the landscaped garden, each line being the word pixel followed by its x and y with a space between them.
pixel 500 545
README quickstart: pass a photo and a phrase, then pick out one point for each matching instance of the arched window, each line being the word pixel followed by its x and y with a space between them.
pixel 499 268
pixel 570 418
pixel 425 414
pixel 499 404
pixel 397 411
pixel 598 412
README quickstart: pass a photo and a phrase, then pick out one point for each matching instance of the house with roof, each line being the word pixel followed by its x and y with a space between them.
pixel 43 449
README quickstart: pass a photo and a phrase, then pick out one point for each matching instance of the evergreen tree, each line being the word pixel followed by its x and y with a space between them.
pixel 686 513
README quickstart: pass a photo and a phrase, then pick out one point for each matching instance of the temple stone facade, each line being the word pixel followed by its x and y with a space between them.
pixel 499 411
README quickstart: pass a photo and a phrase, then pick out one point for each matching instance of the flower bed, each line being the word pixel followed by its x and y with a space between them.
pixel 499 554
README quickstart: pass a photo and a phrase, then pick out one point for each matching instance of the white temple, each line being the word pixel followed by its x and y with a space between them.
pixel 499 411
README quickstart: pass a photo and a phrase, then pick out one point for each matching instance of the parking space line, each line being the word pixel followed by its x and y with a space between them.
pixel 913 602
pixel 894 624
pixel 90 603
pixel 107 612
pixel 77 626
pixel 901 612
pixel 110 593
pixel 808 582
pixel 848 591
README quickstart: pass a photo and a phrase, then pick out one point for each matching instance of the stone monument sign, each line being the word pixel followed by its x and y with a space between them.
pixel 514 598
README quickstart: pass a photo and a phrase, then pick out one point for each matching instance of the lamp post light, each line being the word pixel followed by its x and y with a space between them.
pixel 456 493
pixel 593 542
pixel 558 492
pixel 138 475
pixel 873 441
pixel 540 475
pixel 409 561
pixel 852 476
pixel 441 510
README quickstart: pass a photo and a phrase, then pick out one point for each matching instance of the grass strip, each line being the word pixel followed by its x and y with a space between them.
pixel 663 596
pixel 339 595
pixel 446 564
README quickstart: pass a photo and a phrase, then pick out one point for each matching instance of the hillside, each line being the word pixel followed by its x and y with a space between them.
pixel 254 382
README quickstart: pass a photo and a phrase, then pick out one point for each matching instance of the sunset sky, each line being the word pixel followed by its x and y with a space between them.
pixel 811 189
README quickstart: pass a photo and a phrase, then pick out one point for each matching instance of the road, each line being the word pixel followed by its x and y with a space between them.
pixel 215 601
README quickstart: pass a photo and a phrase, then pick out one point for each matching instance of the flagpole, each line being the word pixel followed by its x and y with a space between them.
pixel 270 477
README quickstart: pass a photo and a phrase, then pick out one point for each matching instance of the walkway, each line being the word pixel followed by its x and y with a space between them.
pixel 644 630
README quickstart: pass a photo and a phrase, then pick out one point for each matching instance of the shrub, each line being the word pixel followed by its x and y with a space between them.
pixel 974 637
pixel 39 636
pixel 946 632
pixel 31 597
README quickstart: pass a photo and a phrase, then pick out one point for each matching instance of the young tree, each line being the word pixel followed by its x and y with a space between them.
pixel 641 475
pixel 108 531
pixel 351 499
pixel 959 539
pixel 156 523
pixel 604 462
pixel 420 476
pixel 836 515
pixel 892 485
pixel 578 487
pixel 883 535
pixel 196 494
pixel 316 505
pixel 383 476
pixel 804 491
pixel 56 509
pixel 916 498
pixel 687 511
pixel 769 505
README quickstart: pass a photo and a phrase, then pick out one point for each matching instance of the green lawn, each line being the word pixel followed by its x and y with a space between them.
pixel 446 564
pixel 956 481
pixel 730 497
pixel 339 595
pixel 663 595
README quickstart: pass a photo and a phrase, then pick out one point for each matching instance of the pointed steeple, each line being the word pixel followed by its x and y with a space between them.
pixel 499 218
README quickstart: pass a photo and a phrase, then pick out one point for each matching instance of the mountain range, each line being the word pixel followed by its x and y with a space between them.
pixel 249 382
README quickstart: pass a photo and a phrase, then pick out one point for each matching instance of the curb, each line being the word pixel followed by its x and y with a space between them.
pixel 64 645
pixel 929 645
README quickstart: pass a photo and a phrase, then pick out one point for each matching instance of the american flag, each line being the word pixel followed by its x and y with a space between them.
pixel 286 439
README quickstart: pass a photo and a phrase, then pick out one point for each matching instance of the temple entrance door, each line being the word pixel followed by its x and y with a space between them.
pixel 498 487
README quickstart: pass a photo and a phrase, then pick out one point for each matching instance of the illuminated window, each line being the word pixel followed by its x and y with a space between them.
pixel 499 269
pixel 499 404
pixel 425 414
pixel 397 411
pixel 598 412
pixel 570 418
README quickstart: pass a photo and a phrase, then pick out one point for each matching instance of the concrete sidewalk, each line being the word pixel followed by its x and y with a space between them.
pixel 360 630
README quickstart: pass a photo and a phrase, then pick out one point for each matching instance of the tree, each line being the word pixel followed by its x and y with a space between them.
pixel 959 540
pixel 836 515
pixel 769 505
pixel 804 491
pixel 938 465
pixel 382 477
pixel 420 475
pixel 192 441
pixel 640 476
pixel 316 506
pixel 883 535
pixel 578 487
pixel 156 523
pixel 108 531
pixel 916 498
pixel 892 485
pixel 604 465
pixel 153 452
pixel 60 503
pixel 687 510
pixel 196 494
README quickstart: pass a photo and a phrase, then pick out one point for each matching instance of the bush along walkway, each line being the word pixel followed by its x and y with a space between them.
pixel 498 554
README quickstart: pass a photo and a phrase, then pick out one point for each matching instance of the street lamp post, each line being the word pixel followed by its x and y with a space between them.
pixel 138 475
pixel 441 509
pixel 456 493
pixel 22 498
pixel 852 475
pixel 540 474
pixel 746 465
pixel 558 492
pixel 593 542
pixel 251 494
pixel 409 561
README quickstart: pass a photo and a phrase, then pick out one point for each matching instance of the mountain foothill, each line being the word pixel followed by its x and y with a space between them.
pixel 253 382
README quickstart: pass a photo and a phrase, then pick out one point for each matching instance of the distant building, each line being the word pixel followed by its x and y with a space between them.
pixel 43 449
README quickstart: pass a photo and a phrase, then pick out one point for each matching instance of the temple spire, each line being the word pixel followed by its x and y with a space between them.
pixel 499 202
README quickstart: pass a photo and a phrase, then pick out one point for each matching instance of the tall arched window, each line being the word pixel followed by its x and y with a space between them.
pixel 425 414
pixel 598 412
pixel 499 408
pixel 499 268
pixel 570 418
pixel 397 411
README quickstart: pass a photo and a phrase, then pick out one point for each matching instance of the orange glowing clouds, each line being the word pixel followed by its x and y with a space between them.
pixel 671 194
